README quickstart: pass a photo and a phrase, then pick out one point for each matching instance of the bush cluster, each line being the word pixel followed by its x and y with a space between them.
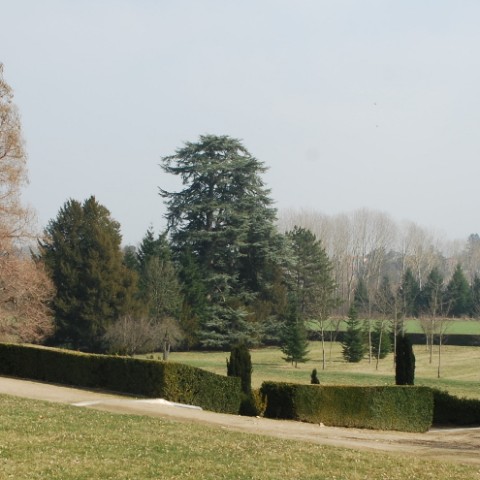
pixel 401 408
pixel 147 378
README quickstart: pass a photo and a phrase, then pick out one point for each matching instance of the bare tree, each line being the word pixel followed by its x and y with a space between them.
pixel 130 336
pixel 24 286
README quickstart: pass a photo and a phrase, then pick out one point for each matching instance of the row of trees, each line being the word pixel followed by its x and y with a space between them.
pixel 370 245
pixel 222 275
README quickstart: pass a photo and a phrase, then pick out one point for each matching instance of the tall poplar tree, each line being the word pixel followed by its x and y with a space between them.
pixel 93 287
pixel 224 218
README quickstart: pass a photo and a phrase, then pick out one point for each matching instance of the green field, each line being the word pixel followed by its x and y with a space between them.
pixel 453 326
pixel 460 367
pixel 40 440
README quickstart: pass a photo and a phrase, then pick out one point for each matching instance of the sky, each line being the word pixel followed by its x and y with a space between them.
pixel 350 104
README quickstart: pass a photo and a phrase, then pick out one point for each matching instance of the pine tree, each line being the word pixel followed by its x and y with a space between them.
pixel 294 343
pixel 223 217
pixel 353 348
pixel 83 257
pixel 458 294
pixel 361 300
pixel 404 362
pixel 409 294
pixel 159 287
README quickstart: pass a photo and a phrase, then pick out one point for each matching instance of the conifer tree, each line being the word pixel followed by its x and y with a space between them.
pixel 294 343
pixel 458 295
pixel 224 219
pixel 83 257
pixel 409 294
pixel 404 362
pixel 353 348
pixel 240 365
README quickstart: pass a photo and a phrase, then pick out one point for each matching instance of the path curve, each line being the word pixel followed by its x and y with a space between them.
pixel 456 445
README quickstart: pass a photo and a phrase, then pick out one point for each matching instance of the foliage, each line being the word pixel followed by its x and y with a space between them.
pixel 361 300
pixel 458 294
pixel 383 408
pixel 451 410
pixel 404 362
pixel 294 343
pixel 310 275
pixel 353 346
pixel 240 365
pixel 175 382
pixel 131 335
pixel 224 220
pixel 82 254
pixel 158 281
pixel 409 294
pixel 432 294
pixel 381 340
pixel 314 378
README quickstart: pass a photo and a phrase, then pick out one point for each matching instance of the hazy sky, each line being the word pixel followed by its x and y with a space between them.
pixel 350 104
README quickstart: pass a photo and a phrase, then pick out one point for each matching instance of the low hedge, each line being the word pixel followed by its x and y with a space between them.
pixel 147 378
pixel 403 408
pixel 451 410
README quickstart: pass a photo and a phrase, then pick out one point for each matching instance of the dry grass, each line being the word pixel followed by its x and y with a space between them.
pixel 49 441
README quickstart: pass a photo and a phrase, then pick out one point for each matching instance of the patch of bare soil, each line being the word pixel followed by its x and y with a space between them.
pixel 456 445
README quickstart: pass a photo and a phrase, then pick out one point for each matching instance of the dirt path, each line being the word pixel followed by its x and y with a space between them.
pixel 456 445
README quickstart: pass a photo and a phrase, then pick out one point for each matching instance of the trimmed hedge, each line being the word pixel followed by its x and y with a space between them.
pixel 404 408
pixel 451 410
pixel 147 378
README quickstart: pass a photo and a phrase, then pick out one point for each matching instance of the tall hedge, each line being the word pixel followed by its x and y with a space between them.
pixel 452 410
pixel 408 409
pixel 147 378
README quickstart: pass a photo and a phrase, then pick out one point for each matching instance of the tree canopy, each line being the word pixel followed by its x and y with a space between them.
pixel 93 287
pixel 223 218
pixel 25 289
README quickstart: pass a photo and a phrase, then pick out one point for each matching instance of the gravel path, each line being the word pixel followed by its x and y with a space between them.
pixel 456 445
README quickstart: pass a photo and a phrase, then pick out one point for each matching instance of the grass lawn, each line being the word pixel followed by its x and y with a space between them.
pixel 460 367
pixel 40 440
pixel 454 326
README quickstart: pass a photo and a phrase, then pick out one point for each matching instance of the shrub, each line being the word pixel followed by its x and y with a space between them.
pixel 383 408
pixel 451 410
pixel 240 365
pixel 174 382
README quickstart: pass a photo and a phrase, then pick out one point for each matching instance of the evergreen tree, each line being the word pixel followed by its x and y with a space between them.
pixel 310 275
pixel 404 362
pixel 314 377
pixel 360 298
pixel 458 294
pixel 224 218
pixel 158 281
pixel 240 365
pixel 432 294
pixel 475 310
pixel 409 294
pixel 93 287
pixel 353 348
pixel 294 343
pixel 381 340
